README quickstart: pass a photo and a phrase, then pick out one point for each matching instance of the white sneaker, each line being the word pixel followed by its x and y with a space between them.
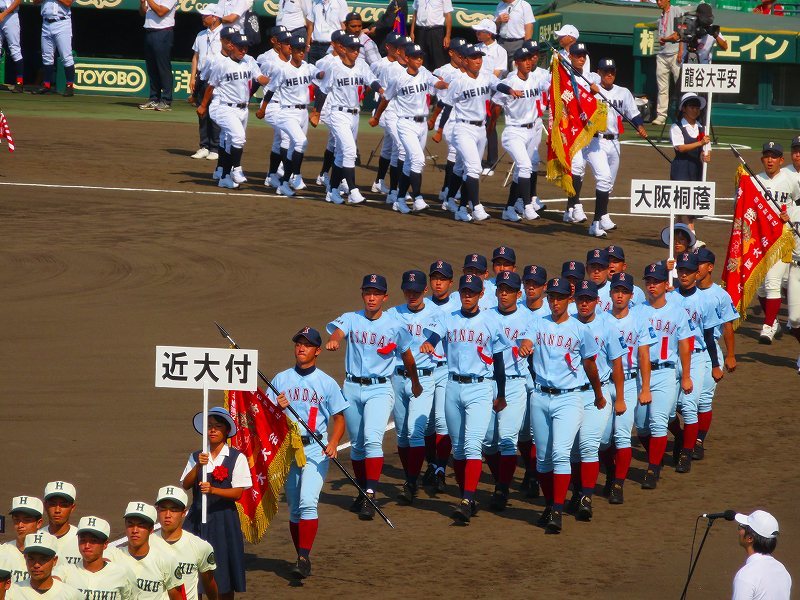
pixel 578 216
pixel 443 194
pixel 401 207
pixel 380 188
pixel 273 180
pixel 768 333
pixel 568 218
pixel 285 189
pixel 227 182
pixel 463 215
pixel 343 187
pixel 519 206
pixel 530 214
pixel 479 213
pixel 217 174
pixel 279 171
pixel 355 196
pixel 238 176
pixel 419 204
pixel 537 204
pixel 391 197
pixel 212 156
pixel 658 121
pixel 322 180
pixel 596 230
pixel 607 224
pixel 334 196
pixel 201 153
pixel 509 214
pixel 297 182
pixel 487 172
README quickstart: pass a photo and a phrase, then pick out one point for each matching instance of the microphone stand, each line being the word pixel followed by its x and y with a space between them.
pixel 696 558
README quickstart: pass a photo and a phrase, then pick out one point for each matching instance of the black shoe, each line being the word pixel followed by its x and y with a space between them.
pixel 684 462
pixel 499 500
pixel 464 511
pixel 572 506
pixel 302 568
pixel 440 485
pixel 17 89
pixel 367 511
pixel 607 487
pixel 358 503
pixel 544 517
pixel 42 90
pixel 407 494
pixel 69 92
pixel 677 445
pixel 584 509
pixel 525 484
pixel 615 496
pixel 553 525
pixel 699 452
pixel 533 490
pixel 430 475
pixel 650 481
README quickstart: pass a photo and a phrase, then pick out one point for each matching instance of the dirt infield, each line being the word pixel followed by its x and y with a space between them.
pixel 95 275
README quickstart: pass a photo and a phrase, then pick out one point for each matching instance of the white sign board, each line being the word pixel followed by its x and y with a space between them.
pixel 206 368
pixel 662 197
pixel 719 79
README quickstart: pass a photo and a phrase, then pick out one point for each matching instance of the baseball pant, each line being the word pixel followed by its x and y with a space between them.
pixel 366 417
pixel 556 420
pixel 290 124
pixel 432 41
pixel 398 152
pixel 619 427
pixel 157 51
pixel 688 402
pixel 776 277
pixel 587 442
pixel 232 123
pixel 468 408
pixel 209 130
pixel 437 423
pixel 388 150
pixel 470 141
pixel 447 135
pixel 526 431
pixel 793 294
pixel 57 36
pixel 303 485
pixel 653 419
pixel 667 67
pixel 412 137
pixel 344 127
pixel 519 142
pixel 603 156
pixel 578 164
pixel 502 432
pixel 411 414
pixel 709 386
pixel 9 32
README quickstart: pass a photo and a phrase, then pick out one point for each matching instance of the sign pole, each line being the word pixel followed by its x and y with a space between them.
pixel 707 147
pixel 204 500
pixel 670 250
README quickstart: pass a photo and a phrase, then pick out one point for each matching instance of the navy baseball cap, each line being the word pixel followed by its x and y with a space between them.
pixel 443 268
pixel 240 39
pixel 506 253
pixel 462 48
pixel 687 260
pixel 616 252
pixel 704 255
pixel 509 278
pixel 586 289
pixel 606 64
pixel 476 261
pixel 414 50
pixel 393 39
pixel 578 49
pixel 657 271
pixel 470 51
pixel 522 53
pixel 228 32
pixel 350 41
pixel 337 35
pixel 535 273
pixel 309 333
pixel 531 46
pixel 573 268
pixel 622 280
pixel 406 40
pixel 773 148
pixel 375 281
pixel 277 30
pixel 352 16
pixel 795 142
pixel 598 256
pixel 470 282
pixel 298 42
pixel 414 281
pixel 456 43
pixel 284 37
pixel 559 285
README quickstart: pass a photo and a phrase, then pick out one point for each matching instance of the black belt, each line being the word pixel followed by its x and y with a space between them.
pixel 466 378
pixel 421 372
pixel 525 126
pixel 558 392
pixel 630 375
pixel 441 363
pixel 505 39
pixel 313 43
pixel 240 105
pixel 428 27
pixel 606 136
pixel 655 365
pixel 516 376
pixel 476 123
pixel 300 106
pixel 306 439
pixel 415 119
pixel 56 20
pixel 352 111
pixel 698 350
pixel 366 380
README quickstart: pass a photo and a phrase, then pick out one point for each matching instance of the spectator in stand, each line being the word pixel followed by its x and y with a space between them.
pixel 431 26
pixel 769 7
pixel 668 57
pixel 514 20
pixel 233 12
pixel 324 17
pixel 292 14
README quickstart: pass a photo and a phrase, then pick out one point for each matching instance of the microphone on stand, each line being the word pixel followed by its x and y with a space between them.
pixel 728 515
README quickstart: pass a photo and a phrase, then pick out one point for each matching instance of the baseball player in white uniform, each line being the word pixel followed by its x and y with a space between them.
pixel 275 57
pixel 56 35
pixel 26 515
pixel 9 33
pixel 323 64
pixel 41 556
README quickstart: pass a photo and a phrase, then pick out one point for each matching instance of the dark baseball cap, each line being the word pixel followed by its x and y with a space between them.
pixel 461 48
pixel 687 260
pixel 622 280
pixel 350 41
pixel 414 50
pixel 597 256
pixel 506 253
pixel 586 289
pixel 470 282
pixel 522 53
pixel 531 46
pixel 471 51
pixel 456 43
pixel 277 30
pixel 393 39
pixel 352 16
pixel 239 39
pixel 795 142
pixel 704 255
pixel 414 281
pixel 573 268
pixel 616 252
pixel 374 281
pixel 228 32
pixel 298 42
pixel 509 278
pixel 309 333
pixel 476 261
pixel 337 35
pixel 441 267
pixel 284 37
pixel 578 49
pixel 559 285
pixel 606 64
pixel 535 273
pixel 773 148
pixel 657 271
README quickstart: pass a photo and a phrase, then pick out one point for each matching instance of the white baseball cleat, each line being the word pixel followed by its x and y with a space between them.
pixel 419 204
pixel 537 204
pixel 768 333
pixel 279 171
pixel 596 230
pixel 607 224
pixel 443 194
pixel 285 189
pixel 463 215
pixel 487 172
pixel 217 174
pixel 355 196
pixel 530 214
pixel 201 153
pixel 212 156
pixel 334 196
pixel 322 180
pixel 297 182
pixel 343 187
pixel 510 214
pixel 578 216
pixel 401 207
pixel 238 176
pixel 479 213
pixel 227 182
pixel 568 216
pixel 519 206
pixel 379 188
pixel 273 180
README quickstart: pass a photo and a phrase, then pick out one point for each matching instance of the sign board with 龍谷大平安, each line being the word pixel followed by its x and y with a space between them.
pixel 703 79
pixel 209 368
pixel 662 197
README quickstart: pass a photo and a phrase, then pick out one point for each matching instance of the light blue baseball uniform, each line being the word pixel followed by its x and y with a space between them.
pixel 526 431
pixel 56 33
pixel 437 423
pixel 9 31
pixel 487 301
pixel 605 304
pixel 727 314
pixel 372 347
pixel 638 296
pixel 557 401
pixel 317 398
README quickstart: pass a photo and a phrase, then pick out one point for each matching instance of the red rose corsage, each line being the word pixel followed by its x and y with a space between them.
pixel 220 473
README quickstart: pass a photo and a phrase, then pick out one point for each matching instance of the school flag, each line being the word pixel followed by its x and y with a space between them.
pixel 5 132
pixel 759 239
pixel 270 441
pixel 399 25
pixel 574 119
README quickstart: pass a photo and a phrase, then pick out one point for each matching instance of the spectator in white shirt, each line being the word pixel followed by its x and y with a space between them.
pixel 159 22
pixel 762 577
pixel 324 17
pixel 233 12
pixel 431 27
pixel 292 15
pixel 515 21
pixel 207 48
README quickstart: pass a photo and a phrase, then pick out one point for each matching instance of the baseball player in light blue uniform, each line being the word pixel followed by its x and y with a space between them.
pixel 374 339
pixel 634 329
pixel 317 399
pixel 612 348
pixel 9 33
pixel 475 264
pixel 411 413
pixel 474 342
pixel 597 272
pixel 673 332
pixel 617 264
pixel 56 35
pixel 564 352
pixel 574 272
pixel 728 314
pixel 703 311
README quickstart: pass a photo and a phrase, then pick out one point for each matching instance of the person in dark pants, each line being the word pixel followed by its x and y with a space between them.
pixel 159 21
pixel 323 18
pixel 431 26
pixel 207 49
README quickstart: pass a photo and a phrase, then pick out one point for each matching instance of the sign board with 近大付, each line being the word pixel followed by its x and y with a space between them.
pixel 209 368
pixel 704 79
pixel 662 197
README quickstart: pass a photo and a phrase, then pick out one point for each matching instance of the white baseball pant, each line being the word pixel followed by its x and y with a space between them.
pixel 412 136
pixel 9 31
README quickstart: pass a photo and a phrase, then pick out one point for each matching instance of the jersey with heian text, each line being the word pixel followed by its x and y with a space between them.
pixel 342 84
pixel 469 95
pixel 291 84
pixel 525 110
pixel 409 93
pixel 232 80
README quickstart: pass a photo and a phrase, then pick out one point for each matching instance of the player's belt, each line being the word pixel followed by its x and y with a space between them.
pixel 441 363
pixel 236 105
pixel 516 376
pixel 606 136
pixel 466 378
pixel 300 106
pixel 557 391
pixel 428 27
pixel 56 20
pixel 630 375
pixel 366 380
pixel 524 126
pixel 421 372
pixel 476 123
pixel 352 111
pixel 415 119
pixel 505 39
pixel 655 366
pixel 306 439
pixel 698 350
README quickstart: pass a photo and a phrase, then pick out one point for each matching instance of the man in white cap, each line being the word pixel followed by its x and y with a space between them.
pixel 26 515
pixel 195 556
pixel 514 19
pixel 566 36
pixel 158 575
pixel 40 557
pixel 762 576
pixel 59 503
pixel 93 576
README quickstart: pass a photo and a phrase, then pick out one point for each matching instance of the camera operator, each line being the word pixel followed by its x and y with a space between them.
pixel 700 43
pixel 668 57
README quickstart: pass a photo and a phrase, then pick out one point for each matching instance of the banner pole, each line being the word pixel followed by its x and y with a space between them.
pixel 671 250
pixel 204 499
pixel 707 147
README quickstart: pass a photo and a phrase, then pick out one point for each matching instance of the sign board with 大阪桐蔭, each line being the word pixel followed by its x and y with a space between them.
pixel 206 368
pixel 706 79
pixel 665 197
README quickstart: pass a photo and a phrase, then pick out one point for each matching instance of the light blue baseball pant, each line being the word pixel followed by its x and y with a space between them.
pixel 526 431
pixel 57 35
pixel 619 427
pixel 366 417
pixel 689 402
pixel 502 432
pixel 437 423
pixel 556 420
pixel 653 419
pixel 303 485
pixel 587 442
pixel 9 31
pixel 468 408
pixel 709 386
pixel 411 414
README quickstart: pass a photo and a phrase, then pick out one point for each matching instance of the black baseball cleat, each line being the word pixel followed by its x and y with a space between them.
pixel 684 462
pixel 302 568
pixel 17 89
pixel 367 511
pixel 69 92
pixel 616 496
pixel 553 525
pixel 407 494
pixel 464 511
pixel 440 484
pixel 699 451
pixel 650 481
pixel 584 509
pixel 607 487
pixel 358 503
pixel 430 475
pixel 572 506
pixel 544 517
pixel 533 489
pixel 42 90
pixel 677 446
pixel 525 484
pixel 499 500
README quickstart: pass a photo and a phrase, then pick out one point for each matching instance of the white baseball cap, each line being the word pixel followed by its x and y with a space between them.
pixel 692 96
pixel 211 10
pixel 29 505
pixel 486 25
pixel 174 493
pixel 60 488
pixel 760 521
pixel 96 526
pixel 142 510
pixel 41 542
pixel 567 30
